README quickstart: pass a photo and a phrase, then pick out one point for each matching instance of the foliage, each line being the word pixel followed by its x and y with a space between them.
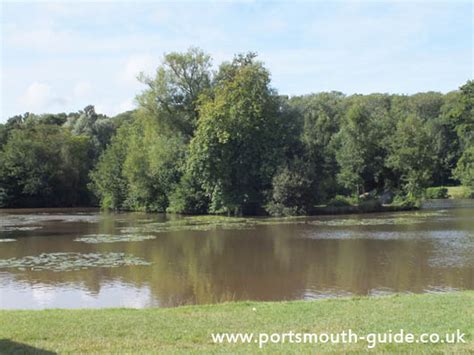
pixel 240 139
pixel 460 192
pixel 358 153
pixel 465 128
pixel 406 201
pixel 107 179
pixel 321 115
pixel 189 197
pixel 173 94
pixel 436 192
pixel 44 165
pixel 411 154
pixel 225 142
pixel 291 193
pixel 341 201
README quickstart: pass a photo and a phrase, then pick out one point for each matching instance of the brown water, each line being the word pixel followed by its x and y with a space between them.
pixel 194 261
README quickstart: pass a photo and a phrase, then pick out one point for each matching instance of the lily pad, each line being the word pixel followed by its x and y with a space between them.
pixel 367 221
pixel 70 261
pixel 110 238
pixel 208 223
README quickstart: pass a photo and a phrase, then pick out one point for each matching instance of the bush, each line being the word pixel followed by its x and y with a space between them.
pixel 188 197
pixel 291 193
pixel 407 202
pixel 341 201
pixel 460 192
pixel 436 193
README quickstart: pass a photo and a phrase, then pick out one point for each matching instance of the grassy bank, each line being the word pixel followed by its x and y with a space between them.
pixel 188 329
pixel 459 192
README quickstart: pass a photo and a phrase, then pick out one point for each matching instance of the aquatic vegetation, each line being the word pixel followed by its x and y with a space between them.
pixel 365 221
pixel 110 238
pixel 208 223
pixel 70 261
pixel 395 219
pixel 26 222
pixel 14 228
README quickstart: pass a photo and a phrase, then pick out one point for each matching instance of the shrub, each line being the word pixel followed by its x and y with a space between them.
pixel 408 202
pixel 436 192
pixel 341 201
pixel 291 193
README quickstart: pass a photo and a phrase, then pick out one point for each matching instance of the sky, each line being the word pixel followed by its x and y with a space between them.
pixel 62 56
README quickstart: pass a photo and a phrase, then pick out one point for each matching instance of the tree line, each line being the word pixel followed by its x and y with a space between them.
pixel 224 141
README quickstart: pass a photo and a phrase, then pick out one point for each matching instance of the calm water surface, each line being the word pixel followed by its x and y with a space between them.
pixel 196 262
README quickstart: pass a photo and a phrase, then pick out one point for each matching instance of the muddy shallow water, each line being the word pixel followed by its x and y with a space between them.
pixel 84 258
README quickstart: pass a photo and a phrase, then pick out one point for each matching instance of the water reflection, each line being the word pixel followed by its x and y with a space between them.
pixel 312 258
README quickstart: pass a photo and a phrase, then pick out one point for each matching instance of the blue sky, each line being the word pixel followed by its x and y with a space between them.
pixel 61 56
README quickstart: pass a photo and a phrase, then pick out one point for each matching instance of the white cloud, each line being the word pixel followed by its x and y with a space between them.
pixel 126 105
pixel 113 107
pixel 39 97
pixel 60 57
pixel 82 89
pixel 135 65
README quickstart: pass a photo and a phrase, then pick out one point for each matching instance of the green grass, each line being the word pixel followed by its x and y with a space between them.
pixel 459 191
pixel 188 329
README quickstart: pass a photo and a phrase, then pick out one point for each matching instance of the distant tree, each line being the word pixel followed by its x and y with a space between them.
pixel 412 155
pixel 201 141
pixel 447 145
pixel 426 105
pixel 291 192
pixel 464 170
pixel 108 182
pixel 173 94
pixel 356 154
pixel 44 165
pixel 99 128
pixel 152 167
pixel 321 114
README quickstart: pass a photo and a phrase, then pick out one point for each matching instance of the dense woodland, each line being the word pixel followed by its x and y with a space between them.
pixel 224 141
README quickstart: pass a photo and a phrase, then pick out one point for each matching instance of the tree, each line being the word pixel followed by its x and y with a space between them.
pixel 240 139
pixel 292 191
pixel 44 165
pixel 97 127
pixel 108 182
pixel 412 155
pixel 321 114
pixel 447 145
pixel 143 167
pixel 356 154
pixel 465 167
pixel 465 130
pixel 173 94
pixel 152 167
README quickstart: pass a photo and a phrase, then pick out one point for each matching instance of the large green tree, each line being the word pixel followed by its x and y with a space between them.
pixel 465 128
pixel 358 149
pixel 172 95
pixel 240 140
pixel 412 154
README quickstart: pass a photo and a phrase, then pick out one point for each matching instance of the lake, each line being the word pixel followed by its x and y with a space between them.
pixel 74 258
